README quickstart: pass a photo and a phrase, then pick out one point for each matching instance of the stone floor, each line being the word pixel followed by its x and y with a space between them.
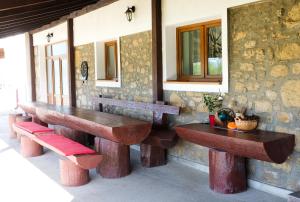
pixel 37 180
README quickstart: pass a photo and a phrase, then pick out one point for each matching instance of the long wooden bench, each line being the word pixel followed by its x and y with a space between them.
pixel 229 148
pixel 113 133
pixel 154 147
pixel 74 169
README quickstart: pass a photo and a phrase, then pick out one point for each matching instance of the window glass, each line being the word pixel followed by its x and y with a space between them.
pixel 111 66
pixel 214 51
pixel 48 51
pixel 65 77
pixel 111 62
pixel 191 61
pixel 56 77
pixel 49 72
pixel 59 49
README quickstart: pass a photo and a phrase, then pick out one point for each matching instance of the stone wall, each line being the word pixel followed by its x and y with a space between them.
pixel 136 74
pixel 264 68
pixel 264 65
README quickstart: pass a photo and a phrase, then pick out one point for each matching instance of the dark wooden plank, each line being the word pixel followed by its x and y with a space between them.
pixel 262 145
pixel 71 62
pixel 42 10
pixel 50 15
pixel 157 70
pixel 32 68
pixel 116 128
pixel 9 5
pixel 168 109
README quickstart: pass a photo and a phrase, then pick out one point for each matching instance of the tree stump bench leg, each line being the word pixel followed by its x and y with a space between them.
pixel 227 172
pixel 22 119
pixel 116 158
pixel 30 148
pixel 35 119
pixel 72 134
pixel 12 117
pixel 152 156
pixel 71 174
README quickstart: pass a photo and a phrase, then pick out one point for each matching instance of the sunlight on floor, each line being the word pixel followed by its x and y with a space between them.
pixel 27 182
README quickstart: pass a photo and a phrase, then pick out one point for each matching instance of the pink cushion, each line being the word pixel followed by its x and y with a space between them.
pixel 65 145
pixel 33 127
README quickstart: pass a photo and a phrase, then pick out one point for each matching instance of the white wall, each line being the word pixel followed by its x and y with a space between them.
pixel 110 22
pixel 107 24
pixel 177 13
pixel 60 33
pixel 13 75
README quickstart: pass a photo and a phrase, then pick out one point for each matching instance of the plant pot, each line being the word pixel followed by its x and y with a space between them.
pixel 212 120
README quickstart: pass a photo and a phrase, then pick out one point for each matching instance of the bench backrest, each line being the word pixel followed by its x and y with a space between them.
pixel 159 109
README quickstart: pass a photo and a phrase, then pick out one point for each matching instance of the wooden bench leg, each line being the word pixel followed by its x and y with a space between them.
pixel 116 158
pixel 152 156
pixel 72 134
pixel 30 148
pixel 22 119
pixel 35 119
pixel 227 172
pixel 12 117
pixel 71 174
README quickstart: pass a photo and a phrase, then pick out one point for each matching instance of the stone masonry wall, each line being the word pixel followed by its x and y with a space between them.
pixel 264 67
pixel 136 73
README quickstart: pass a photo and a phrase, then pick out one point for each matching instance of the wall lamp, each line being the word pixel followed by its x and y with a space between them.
pixel 129 13
pixel 49 36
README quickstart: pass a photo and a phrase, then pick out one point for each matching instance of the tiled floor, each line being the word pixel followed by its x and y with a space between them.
pixel 37 179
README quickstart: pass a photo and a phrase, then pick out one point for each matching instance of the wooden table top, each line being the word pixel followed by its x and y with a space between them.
pixel 262 145
pixel 113 127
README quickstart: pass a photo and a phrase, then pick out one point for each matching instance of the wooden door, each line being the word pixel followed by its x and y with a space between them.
pixel 57 74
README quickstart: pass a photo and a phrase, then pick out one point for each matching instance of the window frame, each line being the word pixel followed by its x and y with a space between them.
pixel 106 56
pixel 203 27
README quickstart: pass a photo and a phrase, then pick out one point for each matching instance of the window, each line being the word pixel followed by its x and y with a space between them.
pixel 111 60
pixel 199 52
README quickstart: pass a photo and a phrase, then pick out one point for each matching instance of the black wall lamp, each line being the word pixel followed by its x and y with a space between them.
pixel 49 36
pixel 129 13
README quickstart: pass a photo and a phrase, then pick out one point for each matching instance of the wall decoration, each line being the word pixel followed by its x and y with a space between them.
pixel 84 71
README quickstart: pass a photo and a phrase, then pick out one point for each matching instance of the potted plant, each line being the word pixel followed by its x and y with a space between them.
pixel 213 103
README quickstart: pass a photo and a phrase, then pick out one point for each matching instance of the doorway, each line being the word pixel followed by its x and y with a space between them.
pixel 57 73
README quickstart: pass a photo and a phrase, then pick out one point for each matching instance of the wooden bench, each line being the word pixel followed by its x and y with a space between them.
pixel 229 148
pixel 114 133
pixel 154 147
pixel 74 169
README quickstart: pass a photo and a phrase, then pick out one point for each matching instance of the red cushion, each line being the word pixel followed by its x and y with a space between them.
pixel 65 145
pixel 33 127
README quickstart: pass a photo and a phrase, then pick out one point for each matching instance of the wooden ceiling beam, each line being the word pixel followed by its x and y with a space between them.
pixel 50 14
pixel 10 5
pixel 44 9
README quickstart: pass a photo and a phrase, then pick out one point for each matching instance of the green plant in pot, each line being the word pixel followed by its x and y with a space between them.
pixel 213 102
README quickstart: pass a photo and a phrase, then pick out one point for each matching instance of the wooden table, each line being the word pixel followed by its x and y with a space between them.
pixel 113 133
pixel 228 149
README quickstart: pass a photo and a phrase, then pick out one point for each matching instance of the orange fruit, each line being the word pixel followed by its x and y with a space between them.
pixel 231 125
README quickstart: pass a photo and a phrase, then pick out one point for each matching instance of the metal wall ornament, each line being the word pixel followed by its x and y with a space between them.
pixel 84 70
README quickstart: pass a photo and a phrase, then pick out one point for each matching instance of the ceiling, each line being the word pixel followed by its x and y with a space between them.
pixel 20 16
